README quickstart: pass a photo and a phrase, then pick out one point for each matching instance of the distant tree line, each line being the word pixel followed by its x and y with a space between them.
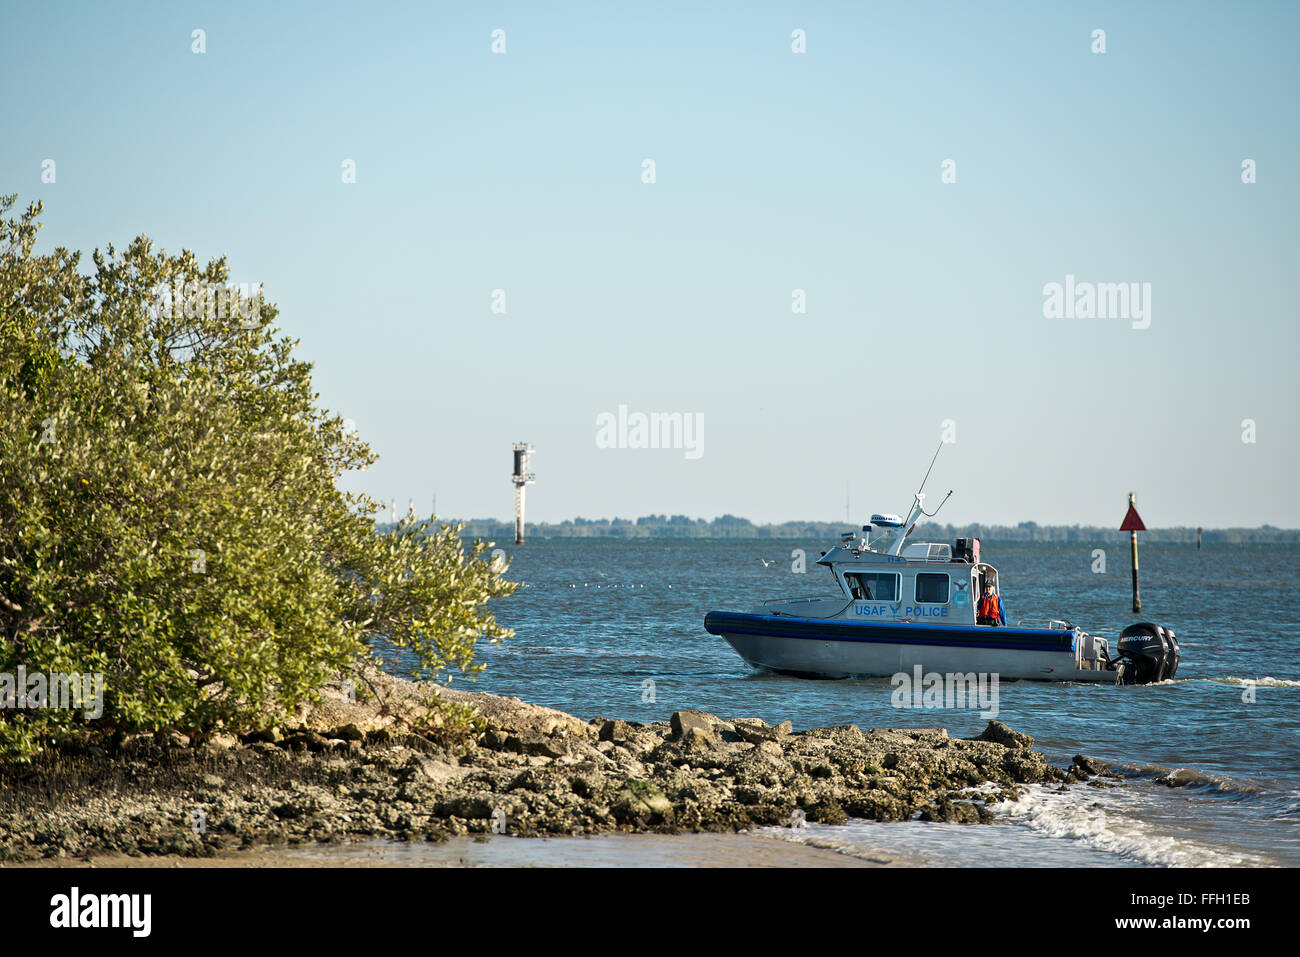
pixel 731 526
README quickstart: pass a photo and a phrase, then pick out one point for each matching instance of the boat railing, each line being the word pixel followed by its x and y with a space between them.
pixel 809 600
pixel 910 559
pixel 1054 624
pixel 797 599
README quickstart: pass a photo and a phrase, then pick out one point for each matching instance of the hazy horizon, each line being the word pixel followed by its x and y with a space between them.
pixel 850 526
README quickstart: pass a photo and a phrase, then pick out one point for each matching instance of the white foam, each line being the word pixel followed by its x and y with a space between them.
pixel 1107 822
pixel 1266 682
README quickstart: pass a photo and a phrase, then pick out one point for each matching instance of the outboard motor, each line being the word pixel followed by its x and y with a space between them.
pixel 1147 653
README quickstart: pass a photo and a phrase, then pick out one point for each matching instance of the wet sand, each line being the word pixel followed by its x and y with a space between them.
pixel 603 850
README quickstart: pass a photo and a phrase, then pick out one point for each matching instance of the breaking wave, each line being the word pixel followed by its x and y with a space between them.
pixel 1107 822
pixel 1266 682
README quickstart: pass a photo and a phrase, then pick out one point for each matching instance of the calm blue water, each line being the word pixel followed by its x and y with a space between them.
pixel 597 619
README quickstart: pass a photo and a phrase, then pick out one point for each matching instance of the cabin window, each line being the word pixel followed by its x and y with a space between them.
pixel 932 589
pixel 872 586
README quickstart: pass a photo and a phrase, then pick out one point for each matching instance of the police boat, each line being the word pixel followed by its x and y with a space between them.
pixel 902 605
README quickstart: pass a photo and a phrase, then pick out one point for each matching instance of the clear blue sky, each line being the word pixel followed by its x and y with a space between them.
pixel 775 171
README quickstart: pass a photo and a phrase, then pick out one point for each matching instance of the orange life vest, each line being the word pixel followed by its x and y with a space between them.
pixel 988 607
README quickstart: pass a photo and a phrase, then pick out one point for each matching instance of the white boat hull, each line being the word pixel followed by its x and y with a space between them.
pixel 808 657
pixel 837 649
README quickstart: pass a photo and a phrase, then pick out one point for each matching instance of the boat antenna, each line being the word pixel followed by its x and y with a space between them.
pixel 941 504
pixel 932 461
pixel 917 510
pixel 919 496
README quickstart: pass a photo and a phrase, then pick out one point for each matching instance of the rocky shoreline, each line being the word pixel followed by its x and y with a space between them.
pixel 353 770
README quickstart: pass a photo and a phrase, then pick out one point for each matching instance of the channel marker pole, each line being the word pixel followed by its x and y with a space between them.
pixel 1133 524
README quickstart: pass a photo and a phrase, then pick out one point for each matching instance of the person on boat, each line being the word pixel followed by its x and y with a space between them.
pixel 990 610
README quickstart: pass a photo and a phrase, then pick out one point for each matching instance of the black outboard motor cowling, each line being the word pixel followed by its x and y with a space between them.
pixel 1147 653
pixel 1174 654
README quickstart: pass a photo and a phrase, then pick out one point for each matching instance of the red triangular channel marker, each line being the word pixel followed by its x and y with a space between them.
pixel 1132 521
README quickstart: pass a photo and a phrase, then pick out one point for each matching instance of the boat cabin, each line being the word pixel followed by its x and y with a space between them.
pixel 936 587
pixel 888 579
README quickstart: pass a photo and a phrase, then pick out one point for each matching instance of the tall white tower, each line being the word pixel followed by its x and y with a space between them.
pixel 520 478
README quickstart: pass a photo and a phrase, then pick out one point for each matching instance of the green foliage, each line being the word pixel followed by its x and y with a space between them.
pixel 169 509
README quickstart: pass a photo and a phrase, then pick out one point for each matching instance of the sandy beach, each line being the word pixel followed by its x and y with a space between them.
pixel 602 850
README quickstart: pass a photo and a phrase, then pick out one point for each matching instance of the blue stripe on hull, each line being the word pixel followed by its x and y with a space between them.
pixel 916 633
